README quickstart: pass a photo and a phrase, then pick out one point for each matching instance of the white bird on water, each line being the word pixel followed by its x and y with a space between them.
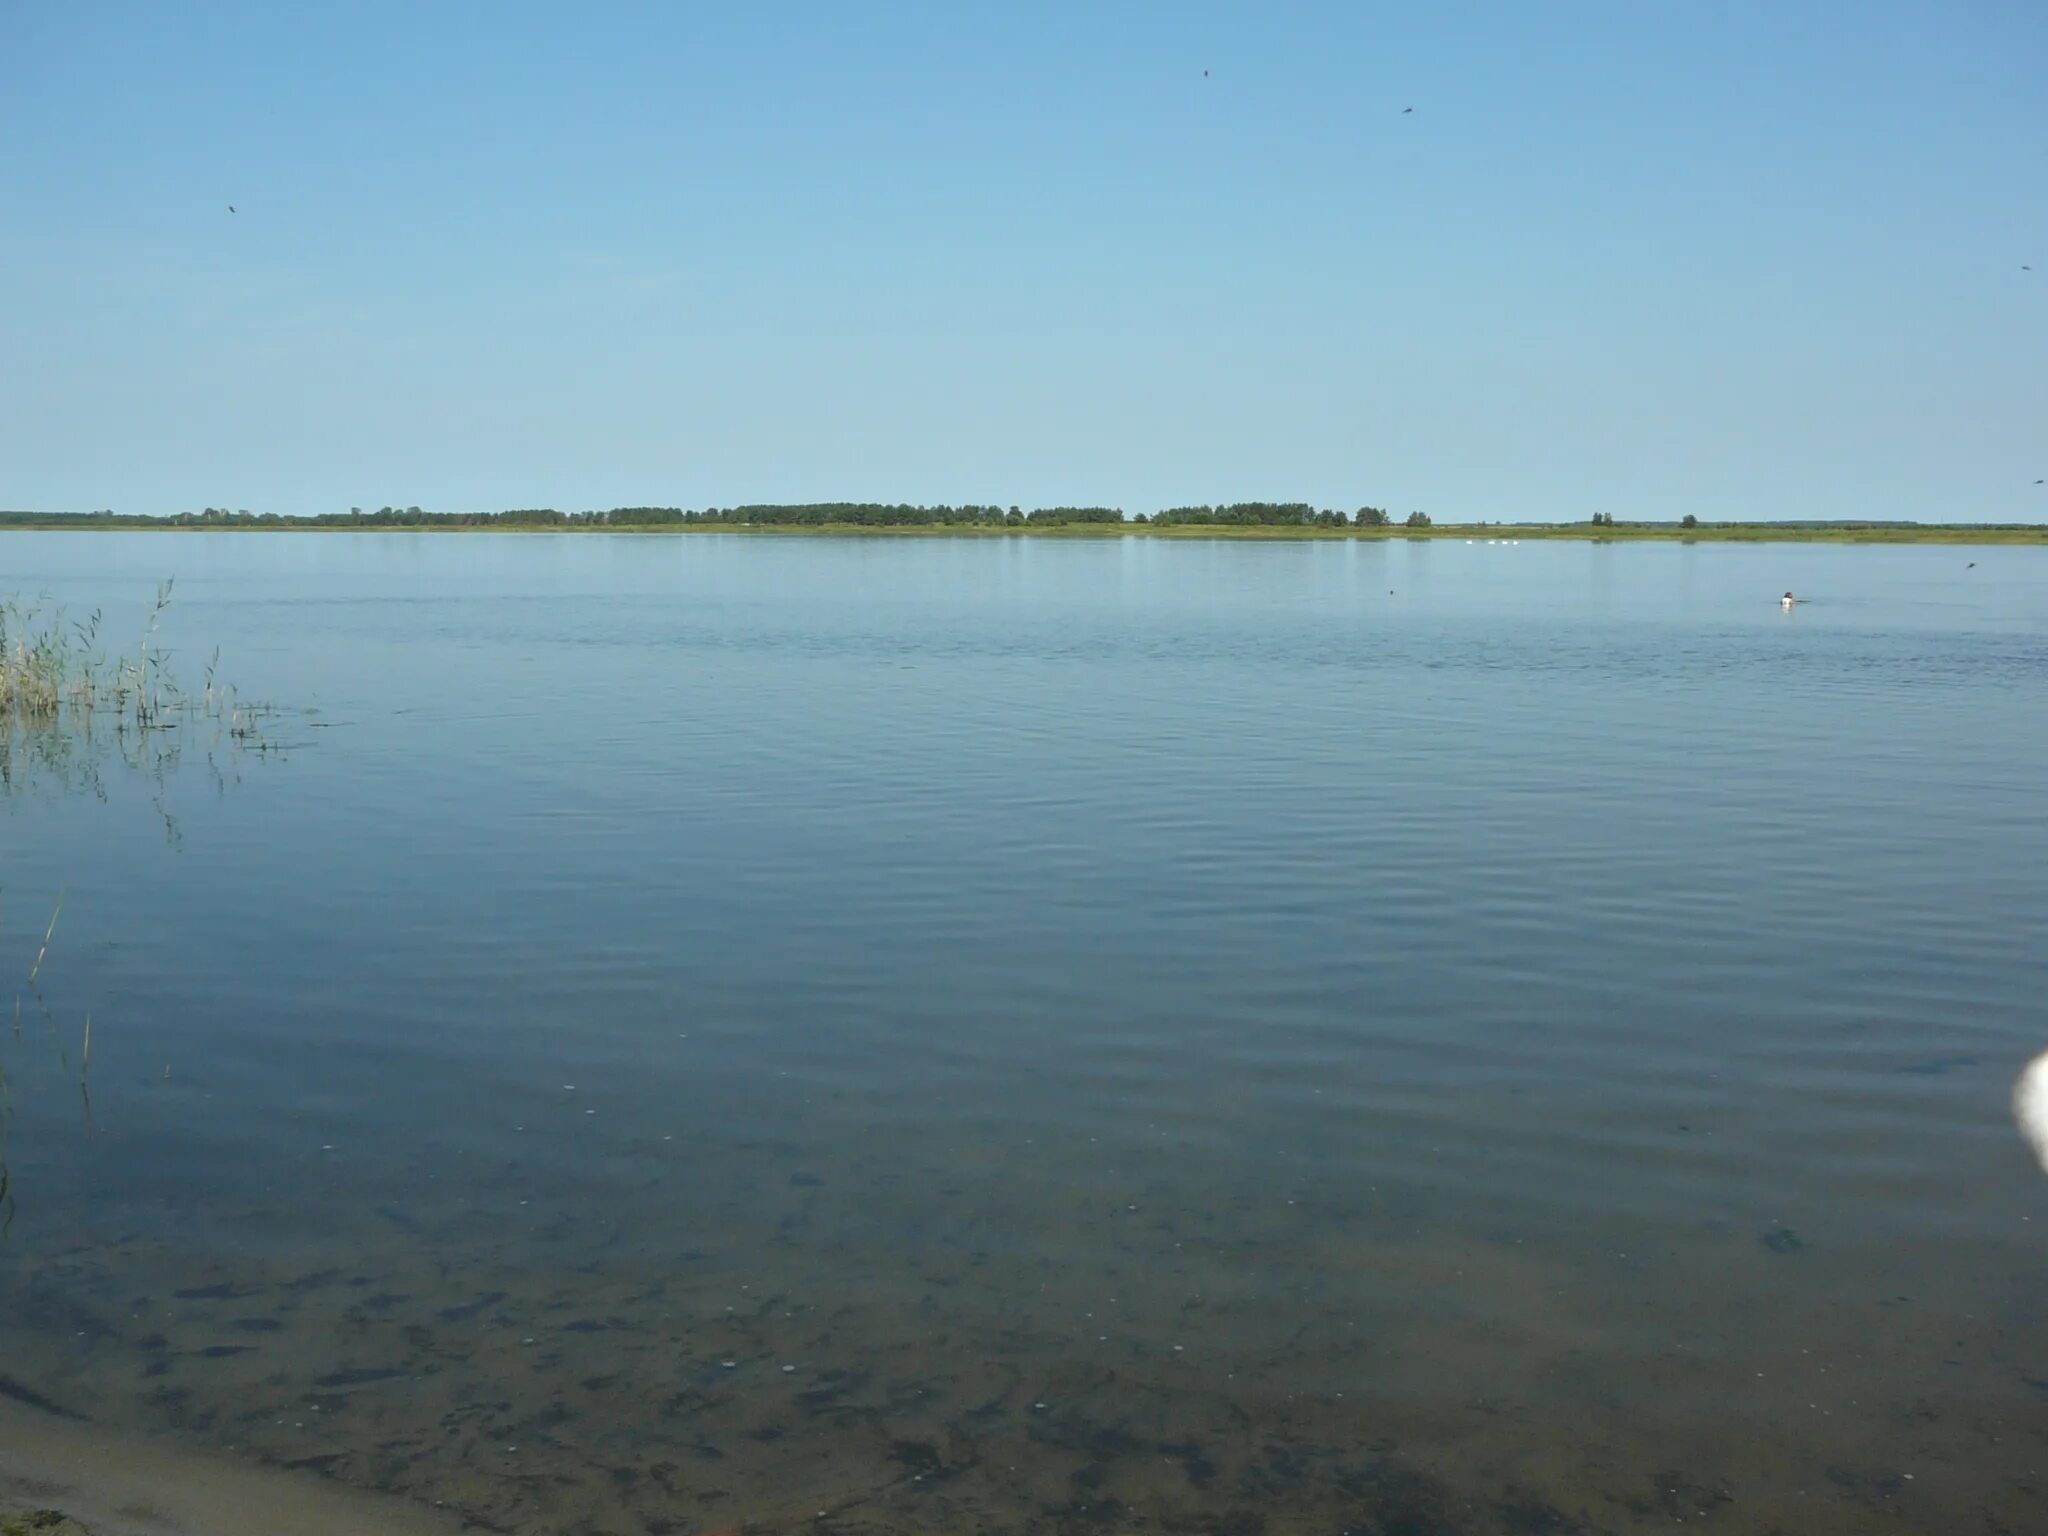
pixel 2030 1106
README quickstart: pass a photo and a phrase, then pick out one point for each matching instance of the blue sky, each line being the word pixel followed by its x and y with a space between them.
pixel 1741 259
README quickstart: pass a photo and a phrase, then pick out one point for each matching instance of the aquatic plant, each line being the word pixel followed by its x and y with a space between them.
pixel 67 707
pixel 51 666
pixel 43 953
pixel 69 713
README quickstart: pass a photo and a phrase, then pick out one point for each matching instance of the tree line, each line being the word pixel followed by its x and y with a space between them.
pixel 855 514
pixel 1280 514
pixel 874 514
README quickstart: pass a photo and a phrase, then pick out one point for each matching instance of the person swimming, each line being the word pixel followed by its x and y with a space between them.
pixel 1788 600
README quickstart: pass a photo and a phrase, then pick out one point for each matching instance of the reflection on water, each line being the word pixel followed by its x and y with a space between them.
pixel 1014 1038
pixel 77 757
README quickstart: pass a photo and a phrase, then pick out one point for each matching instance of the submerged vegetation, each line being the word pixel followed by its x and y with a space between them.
pixel 1246 519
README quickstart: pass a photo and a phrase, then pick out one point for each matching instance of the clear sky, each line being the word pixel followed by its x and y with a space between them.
pixel 1754 258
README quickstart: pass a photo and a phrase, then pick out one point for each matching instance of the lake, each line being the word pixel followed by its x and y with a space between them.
pixel 1031 1036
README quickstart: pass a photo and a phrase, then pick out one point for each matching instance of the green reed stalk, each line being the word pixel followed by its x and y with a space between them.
pixel 48 933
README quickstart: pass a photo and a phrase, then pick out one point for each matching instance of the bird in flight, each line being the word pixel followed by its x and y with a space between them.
pixel 1407 109
pixel 231 207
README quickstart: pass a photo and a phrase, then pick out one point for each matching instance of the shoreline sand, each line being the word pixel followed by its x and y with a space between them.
pixel 112 1485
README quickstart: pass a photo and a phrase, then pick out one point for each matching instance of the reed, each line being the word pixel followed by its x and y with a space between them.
pixel 71 706
pixel 53 669
pixel 43 953
pixel 67 707
pixel 37 666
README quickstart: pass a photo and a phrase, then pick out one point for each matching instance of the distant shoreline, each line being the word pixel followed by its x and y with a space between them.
pixel 1615 533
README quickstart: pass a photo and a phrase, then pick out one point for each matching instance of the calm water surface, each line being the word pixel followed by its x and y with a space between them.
pixel 1004 1036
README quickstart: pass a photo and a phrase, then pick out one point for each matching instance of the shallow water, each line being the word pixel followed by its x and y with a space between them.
pixel 1017 1036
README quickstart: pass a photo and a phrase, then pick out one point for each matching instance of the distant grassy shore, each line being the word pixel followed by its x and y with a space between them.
pixel 1723 533
pixel 1702 533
